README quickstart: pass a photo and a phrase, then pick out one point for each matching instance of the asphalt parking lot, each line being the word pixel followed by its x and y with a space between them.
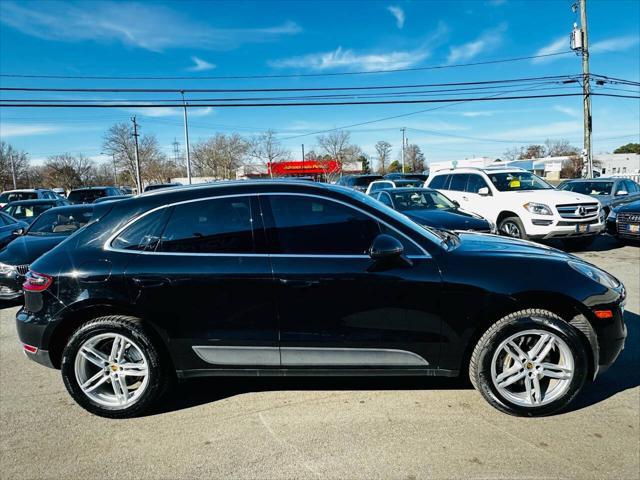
pixel 326 428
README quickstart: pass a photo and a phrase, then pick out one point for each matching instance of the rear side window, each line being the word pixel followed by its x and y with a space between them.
pixel 142 235
pixel 439 182
pixel 222 225
pixel 458 182
pixel 315 226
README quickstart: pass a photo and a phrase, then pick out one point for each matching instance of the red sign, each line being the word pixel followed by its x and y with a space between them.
pixel 308 167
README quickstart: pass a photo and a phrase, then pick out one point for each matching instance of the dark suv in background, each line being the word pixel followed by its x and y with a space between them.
pixel 358 182
pixel 91 194
pixel 299 278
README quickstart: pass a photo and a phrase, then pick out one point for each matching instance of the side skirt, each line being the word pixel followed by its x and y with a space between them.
pixel 317 372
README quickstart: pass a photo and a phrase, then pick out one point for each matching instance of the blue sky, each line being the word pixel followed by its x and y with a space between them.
pixel 253 38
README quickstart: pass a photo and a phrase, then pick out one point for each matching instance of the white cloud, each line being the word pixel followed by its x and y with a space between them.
pixel 558 45
pixel 572 112
pixel 398 13
pixel 144 25
pixel 159 112
pixel 615 44
pixel 489 40
pixel 200 65
pixel 22 129
pixel 477 114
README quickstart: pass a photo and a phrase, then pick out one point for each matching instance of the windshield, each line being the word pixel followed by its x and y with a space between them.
pixel 7 197
pixel 26 212
pixel 589 188
pixel 420 200
pixel 60 222
pixel 518 181
pixel 86 196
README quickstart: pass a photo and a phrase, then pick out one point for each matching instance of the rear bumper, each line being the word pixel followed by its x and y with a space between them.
pixel 35 332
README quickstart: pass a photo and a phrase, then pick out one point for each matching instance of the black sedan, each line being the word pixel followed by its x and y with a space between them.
pixel 47 231
pixel 28 210
pixel 432 209
pixel 10 229
pixel 623 222
pixel 300 278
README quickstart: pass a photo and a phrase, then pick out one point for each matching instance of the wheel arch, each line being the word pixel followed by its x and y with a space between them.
pixel 506 214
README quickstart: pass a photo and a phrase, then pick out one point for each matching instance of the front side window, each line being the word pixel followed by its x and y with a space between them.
pixel 458 182
pixel 221 225
pixel 315 226
pixel 518 181
pixel 475 183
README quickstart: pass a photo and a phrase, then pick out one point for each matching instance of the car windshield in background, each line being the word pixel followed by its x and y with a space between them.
pixel 420 201
pixel 8 197
pixel 365 181
pixel 26 212
pixel 86 196
pixel 60 222
pixel 518 181
pixel 589 188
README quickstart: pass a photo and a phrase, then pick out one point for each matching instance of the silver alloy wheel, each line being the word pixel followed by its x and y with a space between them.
pixel 532 368
pixel 510 229
pixel 112 370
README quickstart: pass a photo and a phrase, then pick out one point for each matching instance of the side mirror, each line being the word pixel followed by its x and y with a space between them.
pixel 18 232
pixel 484 191
pixel 385 247
pixel 455 202
pixel 621 193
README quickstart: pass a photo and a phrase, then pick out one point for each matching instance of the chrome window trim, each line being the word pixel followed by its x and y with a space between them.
pixel 107 244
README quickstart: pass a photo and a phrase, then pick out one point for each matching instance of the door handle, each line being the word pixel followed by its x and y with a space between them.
pixel 150 282
pixel 299 283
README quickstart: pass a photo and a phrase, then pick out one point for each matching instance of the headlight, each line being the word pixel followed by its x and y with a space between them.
pixel 595 274
pixel 538 208
pixel 6 269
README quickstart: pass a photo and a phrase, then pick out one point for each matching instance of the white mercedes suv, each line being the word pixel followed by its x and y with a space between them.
pixel 522 204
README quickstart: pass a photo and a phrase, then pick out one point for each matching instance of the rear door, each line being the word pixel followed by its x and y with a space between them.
pixel 208 285
pixel 336 309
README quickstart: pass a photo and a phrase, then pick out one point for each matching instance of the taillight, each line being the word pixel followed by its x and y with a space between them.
pixel 603 314
pixel 36 282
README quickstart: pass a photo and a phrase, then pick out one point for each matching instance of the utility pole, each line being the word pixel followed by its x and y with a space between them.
pixel 186 139
pixel 13 170
pixel 402 130
pixel 135 136
pixel 303 156
pixel 115 171
pixel 580 44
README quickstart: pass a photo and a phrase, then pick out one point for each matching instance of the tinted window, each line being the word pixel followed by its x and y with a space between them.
pixel 630 186
pixel 15 196
pixel 142 234
pixel 439 182
pixel 364 181
pixel 421 200
pixel 60 222
pixel 86 196
pixel 308 225
pixel 221 225
pixel 589 188
pixel 27 212
pixel 475 183
pixel 458 182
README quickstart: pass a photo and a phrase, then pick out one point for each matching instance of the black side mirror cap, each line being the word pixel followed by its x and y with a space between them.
pixel 385 246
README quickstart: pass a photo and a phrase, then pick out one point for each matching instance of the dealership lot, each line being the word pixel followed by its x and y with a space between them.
pixel 326 428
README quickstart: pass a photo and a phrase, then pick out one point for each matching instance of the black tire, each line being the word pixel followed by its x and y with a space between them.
pixel 513 225
pixel 531 319
pixel 159 376
pixel 578 243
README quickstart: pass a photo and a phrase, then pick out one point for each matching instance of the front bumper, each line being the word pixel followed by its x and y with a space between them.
pixel 11 286
pixel 547 227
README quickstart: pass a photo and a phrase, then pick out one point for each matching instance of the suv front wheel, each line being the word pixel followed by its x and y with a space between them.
pixel 530 363
pixel 112 368
pixel 512 227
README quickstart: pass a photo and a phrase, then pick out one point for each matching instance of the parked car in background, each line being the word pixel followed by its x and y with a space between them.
pixel 111 199
pixel 432 209
pixel 358 182
pixel 9 196
pixel 157 186
pixel 126 190
pixel 61 192
pixel 47 231
pixel 28 210
pixel 623 222
pixel 90 194
pixel 610 192
pixel 378 185
pixel 522 204
pixel 301 278
pixel 10 229
pixel 407 176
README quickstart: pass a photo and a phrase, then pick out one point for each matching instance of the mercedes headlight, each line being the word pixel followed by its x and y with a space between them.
pixel 595 274
pixel 6 269
pixel 538 208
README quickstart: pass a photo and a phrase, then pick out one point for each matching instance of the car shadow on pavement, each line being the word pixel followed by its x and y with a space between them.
pixel 621 376
pixel 198 391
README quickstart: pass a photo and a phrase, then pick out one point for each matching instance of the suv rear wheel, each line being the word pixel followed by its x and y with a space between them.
pixel 512 227
pixel 530 363
pixel 112 368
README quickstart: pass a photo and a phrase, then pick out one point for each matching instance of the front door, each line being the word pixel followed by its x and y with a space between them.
pixel 337 309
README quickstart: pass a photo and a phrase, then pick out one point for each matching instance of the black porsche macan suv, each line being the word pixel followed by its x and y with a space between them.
pixel 297 278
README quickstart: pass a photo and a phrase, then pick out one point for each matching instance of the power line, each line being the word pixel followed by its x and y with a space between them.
pixel 292 75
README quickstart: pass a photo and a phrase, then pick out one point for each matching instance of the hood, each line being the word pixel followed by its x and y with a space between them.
pixel 631 207
pixel 449 219
pixel 550 197
pixel 26 249
pixel 495 244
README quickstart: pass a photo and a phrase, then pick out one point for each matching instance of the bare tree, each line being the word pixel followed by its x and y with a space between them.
pixel 336 145
pixel 220 156
pixel 414 158
pixel 383 149
pixel 20 165
pixel 266 150
pixel 67 171
pixel 513 153
pixel 560 148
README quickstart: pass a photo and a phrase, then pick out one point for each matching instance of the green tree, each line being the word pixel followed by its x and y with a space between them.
pixel 394 167
pixel 366 166
pixel 628 148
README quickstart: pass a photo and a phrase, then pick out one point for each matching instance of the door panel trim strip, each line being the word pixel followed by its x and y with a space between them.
pixel 232 355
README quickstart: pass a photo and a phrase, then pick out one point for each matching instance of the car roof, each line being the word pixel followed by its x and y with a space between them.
pixel 406 189
pixel 26 190
pixel 599 179
pixel 41 201
pixel 487 171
